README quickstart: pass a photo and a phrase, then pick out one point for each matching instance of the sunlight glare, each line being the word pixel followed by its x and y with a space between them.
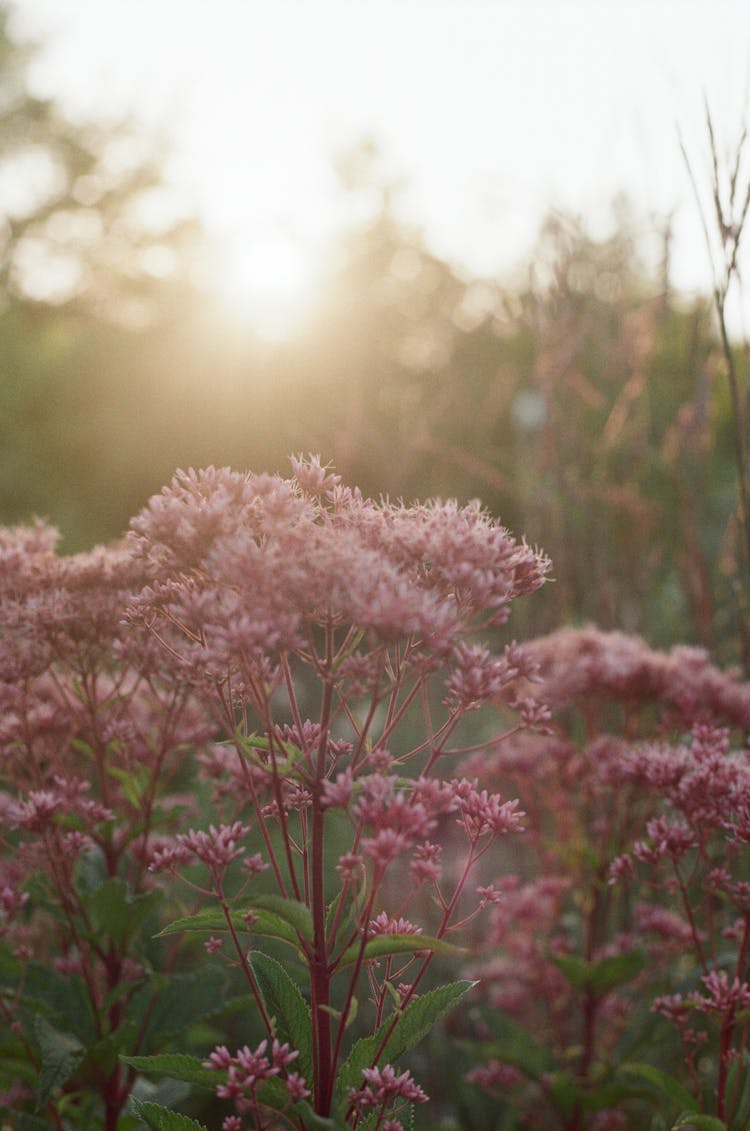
pixel 269 282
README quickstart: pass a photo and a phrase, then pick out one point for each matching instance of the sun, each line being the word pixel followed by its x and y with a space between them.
pixel 269 281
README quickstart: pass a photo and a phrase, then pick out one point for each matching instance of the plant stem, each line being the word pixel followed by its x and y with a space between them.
pixel 320 976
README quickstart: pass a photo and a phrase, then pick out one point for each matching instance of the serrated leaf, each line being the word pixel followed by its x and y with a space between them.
pixel 415 1022
pixel 177 1066
pixel 184 1000
pixel 162 1119
pixel 696 1121
pixel 659 1081
pixel 63 998
pixel 266 922
pixel 116 914
pixel 382 945
pixel 602 975
pixel 292 911
pixel 284 1001
pixel 61 1053
pixel 273 1094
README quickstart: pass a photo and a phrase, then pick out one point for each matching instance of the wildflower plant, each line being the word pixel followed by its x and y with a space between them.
pixel 92 752
pixel 240 731
pixel 631 913
pixel 317 624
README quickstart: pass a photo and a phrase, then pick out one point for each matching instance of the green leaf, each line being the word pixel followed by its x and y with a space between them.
pixel 515 1045
pixel 181 1001
pixel 30 1123
pixel 695 1121
pixel 273 1094
pixel 659 1081
pixel 742 1110
pixel 62 998
pixel 116 914
pixel 381 945
pixel 601 976
pixel 615 970
pixel 284 1001
pixel 292 911
pixel 134 785
pixel 177 1066
pixel 564 1093
pixel 287 754
pixel 162 1119
pixel 312 1121
pixel 275 917
pixel 415 1022
pixel 61 1053
pixel 90 872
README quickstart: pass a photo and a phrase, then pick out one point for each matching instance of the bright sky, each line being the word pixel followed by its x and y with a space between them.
pixel 491 110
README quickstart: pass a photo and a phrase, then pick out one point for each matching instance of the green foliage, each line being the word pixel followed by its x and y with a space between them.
pixel 603 975
pixel 691 1121
pixel 116 915
pixel 287 1008
pixel 162 1119
pixel 277 918
pixel 177 1066
pixel 382 945
pixel 60 1054
pixel 658 1082
pixel 170 1005
pixel 398 1035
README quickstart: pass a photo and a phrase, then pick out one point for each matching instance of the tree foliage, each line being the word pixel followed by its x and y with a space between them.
pixel 578 400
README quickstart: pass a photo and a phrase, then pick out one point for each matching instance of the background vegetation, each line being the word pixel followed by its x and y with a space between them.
pixel 583 402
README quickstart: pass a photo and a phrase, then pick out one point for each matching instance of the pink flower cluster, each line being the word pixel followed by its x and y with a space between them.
pixel 246 1072
pixel 337 641
pixel 637 811
pixel 384 1088
pixel 245 565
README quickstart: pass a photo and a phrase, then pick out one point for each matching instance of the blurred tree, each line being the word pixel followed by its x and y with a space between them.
pixel 84 213
pixel 579 403
pixel 94 251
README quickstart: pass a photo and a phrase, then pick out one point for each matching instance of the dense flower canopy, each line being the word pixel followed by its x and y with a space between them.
pixel 245 566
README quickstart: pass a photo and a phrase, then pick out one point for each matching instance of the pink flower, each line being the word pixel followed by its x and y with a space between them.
pixel 281 1055
pixel 313 478
pixel 351 867
pixel 385 846
pixel 254 865
pixel 220 1058
pixel 425 864
pixel 722 994
pixel 382 1086
pixel 218 847
pixel 296 1087
pixel 668 838
pixel 495 1074
pixel 385 925
pixel 484 813
pixel 339 793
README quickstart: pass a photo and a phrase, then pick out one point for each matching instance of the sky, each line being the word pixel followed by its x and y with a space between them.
pixel 488 113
